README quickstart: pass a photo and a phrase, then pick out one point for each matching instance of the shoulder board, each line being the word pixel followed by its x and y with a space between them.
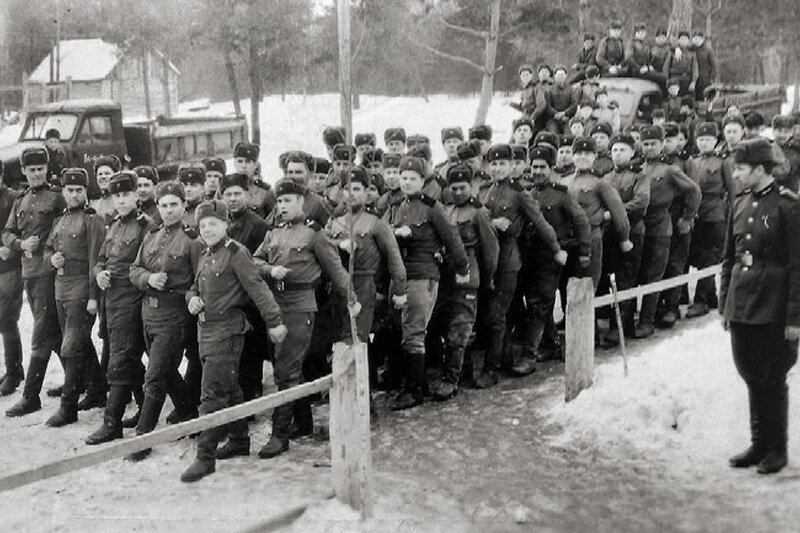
pixel 142 219
pixel 427 200
pixel 788 193
pixel 371 209
pixel 313 224
pixel 441 180
pixel 261 184
pixel 475 202
pixel 231 245
pixel 190 231
pixel 516 185
pixel 635 167
pixel 559 187
pixel 89 210
pixel 154 230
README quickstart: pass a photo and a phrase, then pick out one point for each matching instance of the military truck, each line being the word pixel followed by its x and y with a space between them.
pixel 638 98
pixel 93 128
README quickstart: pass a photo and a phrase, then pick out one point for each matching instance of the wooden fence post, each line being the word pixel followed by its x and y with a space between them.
pixel 351 452
pixel 579 336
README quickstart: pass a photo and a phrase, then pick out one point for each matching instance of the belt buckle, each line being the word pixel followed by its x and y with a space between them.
pixel 279 285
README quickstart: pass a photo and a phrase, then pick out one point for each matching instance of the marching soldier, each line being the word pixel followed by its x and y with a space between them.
pixel 146 190
pixel 292 258
pixel 666 183
pixel 509 204
pixel 164 269
pixel 245 161
pixel 215 171
pixel 421 227
pixel 123 306
pixel 248 229
pixel 26 232
pixel 760 300
pixel 10 299
pixel 72 249
pixel 225 281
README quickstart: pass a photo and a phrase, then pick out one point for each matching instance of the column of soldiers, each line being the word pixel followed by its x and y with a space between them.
pixel 450 261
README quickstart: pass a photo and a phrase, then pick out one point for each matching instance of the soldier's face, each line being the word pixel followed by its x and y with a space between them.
pixel 697 40
pixel 588 44
pixel 194 192
pixel 290 206
pixel 356 195
pixel 661 39
pixel 517 167
pixel 476 163
pixel 584 160
pixel 525 77
pixel 706 144
pixel 375 168
pixel 395 147
pixel 564 156
pixel 523 134
pixel 652 148
pixel 316 183
pixel 584 112
pixel 451 146
pixel 245 166
pixel 236 199
pixel 392 177
pixel 171 208
pixel 124 202
pixel 361 148
pixel 53 143
pixel 637 137
pixel 74 195
pixel 485 145
pixel 781 135
pixel 342 166
pixel 745 175
pixel 35 174
pixel 296 172
pixel 372 194
pixel 601 141
pixel 461 191
pixel 212 181
pixel 500 169
pixel 621 153
pixel 540 170
pixel 684 41
pixel 212 230
pixel 103 175
pixel 615 32
pixel 410 182
pixel 640 34
pixel 145 189
pixel 560 77
pixel 674 144
pixel 576 129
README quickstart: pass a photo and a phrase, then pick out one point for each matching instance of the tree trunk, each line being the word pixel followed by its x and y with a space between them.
pixel 420 84
pixel 232 83
pixel 796 89
pixel 146 82
pixel 584 16
pixel 345 96
pixel 256 90
pixel 490 55
pixel 681 17
pixel 709 16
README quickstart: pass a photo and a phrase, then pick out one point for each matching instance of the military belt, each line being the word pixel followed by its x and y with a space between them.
pixel 286 286
pixel 74 268
pixel 165 299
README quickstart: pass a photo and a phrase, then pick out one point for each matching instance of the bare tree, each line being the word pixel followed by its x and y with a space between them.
pixel 709 8
pixel 681 17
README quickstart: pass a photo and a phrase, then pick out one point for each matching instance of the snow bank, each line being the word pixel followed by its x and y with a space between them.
pixel 683 397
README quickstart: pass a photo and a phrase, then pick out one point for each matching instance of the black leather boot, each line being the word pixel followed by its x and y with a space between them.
pixel 112 420
pixel 757 450
pixel 776 457
pixel 30 401
pixel 151 410
pixel 131 421
pixel 279 440
pixel 12 351
pixel 68 411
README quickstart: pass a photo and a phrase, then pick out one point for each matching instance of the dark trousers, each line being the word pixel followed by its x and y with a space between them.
pixel 708 241
pixel 505 284
pixel 386 343
pixel 194 370
pixel 220 351
pixel 459 310
pixel 288 370
pixel 10 308
pixel 126 345
pixel 255 350
pixel 364 288
pixel 625 267
pixel 539 278
pixel 655 255
pixel 46 336
pixel 763 357
pixel 676 266
pixel 77 350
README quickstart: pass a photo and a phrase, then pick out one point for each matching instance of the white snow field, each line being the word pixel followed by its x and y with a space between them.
pixel 643 453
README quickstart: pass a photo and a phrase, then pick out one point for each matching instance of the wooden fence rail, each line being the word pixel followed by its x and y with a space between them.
pixel 580 324
pixel 349 420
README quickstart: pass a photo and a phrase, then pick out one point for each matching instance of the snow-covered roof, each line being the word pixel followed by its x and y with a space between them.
pixel 85 60
pixel 81 60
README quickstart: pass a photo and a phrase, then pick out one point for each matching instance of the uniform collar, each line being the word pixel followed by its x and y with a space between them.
pixel 765 191
pixel 176 225
pixel 222 242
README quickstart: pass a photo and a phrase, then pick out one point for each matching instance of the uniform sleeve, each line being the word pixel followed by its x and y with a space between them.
pixel 601 55
pixel 330 261
pixel 572 108
pixel 11 232
pixel 388 247
pixel 689 189
pixel 448 234
pixel 630 57
pixel 580 224
pixel 256 288
pixel 728 259
pixel 96 230
pixel 613 203
pixel 695 69
pixel 260 258
pixel 259 231
pixel 138 273
pixel 667 64
pixel 790 212
pixel 544 230
pixel 50 243
pixel 489 246
pixel 636 207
